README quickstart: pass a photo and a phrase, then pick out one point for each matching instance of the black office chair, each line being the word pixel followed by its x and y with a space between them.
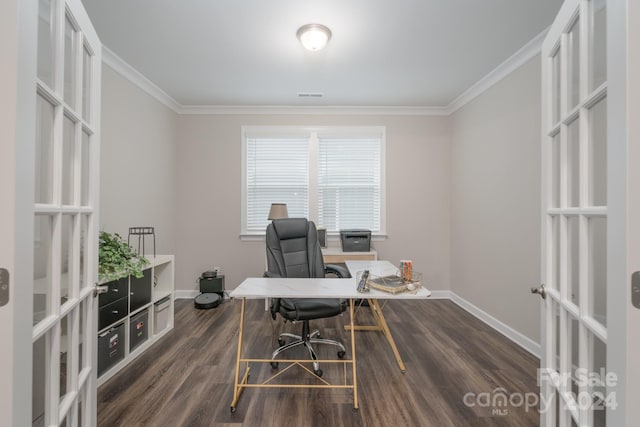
pixel 293 251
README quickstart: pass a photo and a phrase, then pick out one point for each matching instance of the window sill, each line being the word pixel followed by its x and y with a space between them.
pixel 331 237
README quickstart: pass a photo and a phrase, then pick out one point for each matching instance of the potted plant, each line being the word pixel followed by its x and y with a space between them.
pixel 116 259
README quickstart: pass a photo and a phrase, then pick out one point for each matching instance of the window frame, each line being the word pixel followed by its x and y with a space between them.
pixel 312 132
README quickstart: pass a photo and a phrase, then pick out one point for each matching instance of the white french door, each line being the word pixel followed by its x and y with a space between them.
pixel 590 215
pixel 55 255
pixel 575 218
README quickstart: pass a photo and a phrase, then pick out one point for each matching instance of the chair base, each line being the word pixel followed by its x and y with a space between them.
pixel 306 339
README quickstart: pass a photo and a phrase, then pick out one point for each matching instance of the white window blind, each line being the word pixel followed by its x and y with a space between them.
pixel 333 176
pixel 349 183
pixel 277 171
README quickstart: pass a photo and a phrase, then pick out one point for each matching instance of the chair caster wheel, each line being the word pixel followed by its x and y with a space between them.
pixel 281 342
pixel 274 365
pixel 341 354
pixel 318 372
pixel 233 409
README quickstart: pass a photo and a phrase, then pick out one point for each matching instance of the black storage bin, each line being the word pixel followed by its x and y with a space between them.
pixel 117 289
pixel 113 312
pixel 138 329
pixel 140 290
pixel 110 348
pixel 355 240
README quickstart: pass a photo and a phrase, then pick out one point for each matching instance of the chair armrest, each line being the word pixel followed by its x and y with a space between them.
pixel 338 270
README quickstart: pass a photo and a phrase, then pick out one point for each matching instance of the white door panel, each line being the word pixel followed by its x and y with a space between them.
pixel 575 216
pixel 591 212
pixel 49 220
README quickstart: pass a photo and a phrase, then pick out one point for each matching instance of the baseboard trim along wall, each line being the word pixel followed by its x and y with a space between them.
pixel 506 330
pixel 526 343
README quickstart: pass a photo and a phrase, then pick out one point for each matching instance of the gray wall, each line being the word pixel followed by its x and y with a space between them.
pixel 496 196
pixel 137 161
pixel 209 189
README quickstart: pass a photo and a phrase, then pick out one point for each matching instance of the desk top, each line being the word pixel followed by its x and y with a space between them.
pixel 262 287
pixel 376 268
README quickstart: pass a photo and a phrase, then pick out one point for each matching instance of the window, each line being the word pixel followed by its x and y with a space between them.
pixel 333 176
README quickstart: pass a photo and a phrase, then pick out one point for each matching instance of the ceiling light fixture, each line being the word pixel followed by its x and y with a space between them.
pixel 314 36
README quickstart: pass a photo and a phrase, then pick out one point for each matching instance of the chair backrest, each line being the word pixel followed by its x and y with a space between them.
pixel 293 249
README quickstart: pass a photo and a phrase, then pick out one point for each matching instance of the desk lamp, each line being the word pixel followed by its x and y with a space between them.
pixel 278 211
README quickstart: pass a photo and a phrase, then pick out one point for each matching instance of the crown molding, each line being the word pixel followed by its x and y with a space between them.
pixel 515 61
pixel 524 54
pixel 319 110
pixel 134 76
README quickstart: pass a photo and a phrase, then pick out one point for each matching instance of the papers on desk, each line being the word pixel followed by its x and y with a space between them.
pixel 392 284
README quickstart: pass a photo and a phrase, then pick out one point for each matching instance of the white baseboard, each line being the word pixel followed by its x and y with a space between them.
pixel 186 294
pixel 515 336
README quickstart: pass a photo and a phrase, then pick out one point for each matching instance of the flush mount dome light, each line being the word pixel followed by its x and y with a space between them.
pixel 314 36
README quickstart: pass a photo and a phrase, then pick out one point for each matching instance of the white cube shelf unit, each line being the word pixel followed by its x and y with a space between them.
pixel 133 314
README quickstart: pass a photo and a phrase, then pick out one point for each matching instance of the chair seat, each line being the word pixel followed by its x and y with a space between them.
pixel 309 308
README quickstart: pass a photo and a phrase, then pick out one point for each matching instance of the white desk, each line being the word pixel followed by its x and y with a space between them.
pixel 260 287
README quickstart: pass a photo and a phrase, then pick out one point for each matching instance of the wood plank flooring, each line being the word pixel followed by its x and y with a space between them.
pixel 186 379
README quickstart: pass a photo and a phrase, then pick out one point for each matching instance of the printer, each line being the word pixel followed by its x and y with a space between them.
pixel 356 240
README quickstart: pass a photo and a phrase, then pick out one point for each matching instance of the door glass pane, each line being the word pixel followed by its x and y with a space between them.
pixel 38 382
pixel 44 151
pixel 599 390
pixel 86 84
pixel 82 321
pixel 66 257
pixel 65 374
pixel 599 52
pixel 84 251
pixel 574 355
pixel 42 236
pixel 573 242
pixel 555 88
pixel 573 40
pixel 555 248
pixel 573 163
pixel 45 63
pixel 556 339
pixel 69 63
pixel 68 151
pixel 85 166
pixel 598 273
pixel 598 155
pixel 555 171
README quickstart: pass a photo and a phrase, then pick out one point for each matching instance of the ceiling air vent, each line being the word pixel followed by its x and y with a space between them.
pixel 310 94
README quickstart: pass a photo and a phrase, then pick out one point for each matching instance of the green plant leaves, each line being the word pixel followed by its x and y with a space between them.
pixel 117 259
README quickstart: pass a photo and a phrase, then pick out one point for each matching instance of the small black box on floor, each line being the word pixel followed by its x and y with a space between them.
pixel 212 285
pixel 355 240
pixel 110 348
pixel 138 329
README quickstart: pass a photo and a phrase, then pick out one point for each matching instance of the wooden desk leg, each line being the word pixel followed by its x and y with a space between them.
pixel 353 355
pixel 382 323
pixel 237 387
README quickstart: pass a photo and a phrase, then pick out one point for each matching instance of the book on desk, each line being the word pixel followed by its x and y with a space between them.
pixel 392 284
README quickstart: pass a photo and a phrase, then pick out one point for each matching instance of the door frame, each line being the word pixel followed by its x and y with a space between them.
pixel 18 32
pixel 623 188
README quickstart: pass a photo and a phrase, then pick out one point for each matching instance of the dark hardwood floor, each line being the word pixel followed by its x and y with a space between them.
pixel 186 379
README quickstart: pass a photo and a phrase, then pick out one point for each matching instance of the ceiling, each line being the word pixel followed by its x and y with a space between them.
pixel 403 53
